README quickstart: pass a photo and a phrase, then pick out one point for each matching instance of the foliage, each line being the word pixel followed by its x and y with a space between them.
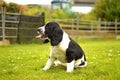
pixel 25 62
pixel 2 3
pixel 37 10
pixel 62 14
pixel 54 14
pixel 12 7
pixel 58 14
pixel 88 16
pixel 32 10
pixel 108 9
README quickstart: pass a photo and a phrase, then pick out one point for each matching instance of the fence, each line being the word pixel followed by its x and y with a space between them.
pixel 90 29
pixel 18 27
pixel 22 28
pixel 28 25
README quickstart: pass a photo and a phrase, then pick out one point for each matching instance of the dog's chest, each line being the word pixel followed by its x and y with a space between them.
pixel 59 53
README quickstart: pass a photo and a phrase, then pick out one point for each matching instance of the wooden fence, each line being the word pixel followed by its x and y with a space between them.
pixel 90 29
pixel 17 27
pixel 22 28
pixel 8 24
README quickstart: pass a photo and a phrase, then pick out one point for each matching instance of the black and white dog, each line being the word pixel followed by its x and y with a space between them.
pixel 63 49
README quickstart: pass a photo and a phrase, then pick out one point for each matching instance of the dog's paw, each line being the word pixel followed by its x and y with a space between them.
pixel 69 71
pixel 57 63
pixel 45 68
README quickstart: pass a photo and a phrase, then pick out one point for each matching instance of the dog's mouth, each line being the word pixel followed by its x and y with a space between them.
pixel 41 36
pixel 41 32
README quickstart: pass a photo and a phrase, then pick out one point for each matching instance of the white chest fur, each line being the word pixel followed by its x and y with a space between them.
pixel 59 51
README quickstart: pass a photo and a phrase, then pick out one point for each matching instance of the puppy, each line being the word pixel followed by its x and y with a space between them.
pixel 63 49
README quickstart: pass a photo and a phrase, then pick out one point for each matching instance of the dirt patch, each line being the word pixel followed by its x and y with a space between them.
pixel 4 42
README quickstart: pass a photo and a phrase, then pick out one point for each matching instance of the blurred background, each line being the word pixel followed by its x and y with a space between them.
pixel 19 19
pixel 94 24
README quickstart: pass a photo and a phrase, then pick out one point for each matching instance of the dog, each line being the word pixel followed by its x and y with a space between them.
pixel 64 50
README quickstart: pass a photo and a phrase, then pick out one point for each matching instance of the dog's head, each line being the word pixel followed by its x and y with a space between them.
pixel 41 32
pixel 52 30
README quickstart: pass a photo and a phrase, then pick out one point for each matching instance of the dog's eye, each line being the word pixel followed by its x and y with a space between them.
pixel 39 30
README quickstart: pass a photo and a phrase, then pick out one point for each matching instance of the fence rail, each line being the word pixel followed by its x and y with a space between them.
pixel 90 28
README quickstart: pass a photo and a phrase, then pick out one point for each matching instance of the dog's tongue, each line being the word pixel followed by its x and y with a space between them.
pixel 39 36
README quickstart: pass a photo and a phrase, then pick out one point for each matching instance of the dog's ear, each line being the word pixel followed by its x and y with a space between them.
pixel 57 35
pixel 54 32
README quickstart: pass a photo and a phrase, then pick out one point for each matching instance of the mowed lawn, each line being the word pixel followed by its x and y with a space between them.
pixel 25 62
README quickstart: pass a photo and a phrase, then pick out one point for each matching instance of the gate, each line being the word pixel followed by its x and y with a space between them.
pixel 19 28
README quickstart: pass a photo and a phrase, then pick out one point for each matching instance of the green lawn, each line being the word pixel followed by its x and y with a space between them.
pixel 25 62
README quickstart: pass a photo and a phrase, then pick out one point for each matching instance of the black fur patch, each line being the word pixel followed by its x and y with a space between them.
pixel 82 63
pixel 74 51
pixel 54 32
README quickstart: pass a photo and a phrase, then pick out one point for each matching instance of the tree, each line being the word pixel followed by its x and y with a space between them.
pixel 22 8
pixel 107 9
pixel 2 3
pixel 13 7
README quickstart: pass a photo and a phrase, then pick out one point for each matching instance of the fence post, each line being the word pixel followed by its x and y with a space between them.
pixel 99 25
pixel 91 23
pixel 116 27
pixel 18 31
pixel 73 23
pixel 3 22
pixel 43 18
pixel 77 23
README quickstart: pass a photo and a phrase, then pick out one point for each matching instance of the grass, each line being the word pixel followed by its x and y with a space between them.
pixel 25 62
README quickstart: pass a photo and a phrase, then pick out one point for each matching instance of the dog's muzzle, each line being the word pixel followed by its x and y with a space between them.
pixel 40 36
pixel 41 33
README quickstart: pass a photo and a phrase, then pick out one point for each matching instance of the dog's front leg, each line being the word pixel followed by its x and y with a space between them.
pixel 49 63
pixel 70 66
